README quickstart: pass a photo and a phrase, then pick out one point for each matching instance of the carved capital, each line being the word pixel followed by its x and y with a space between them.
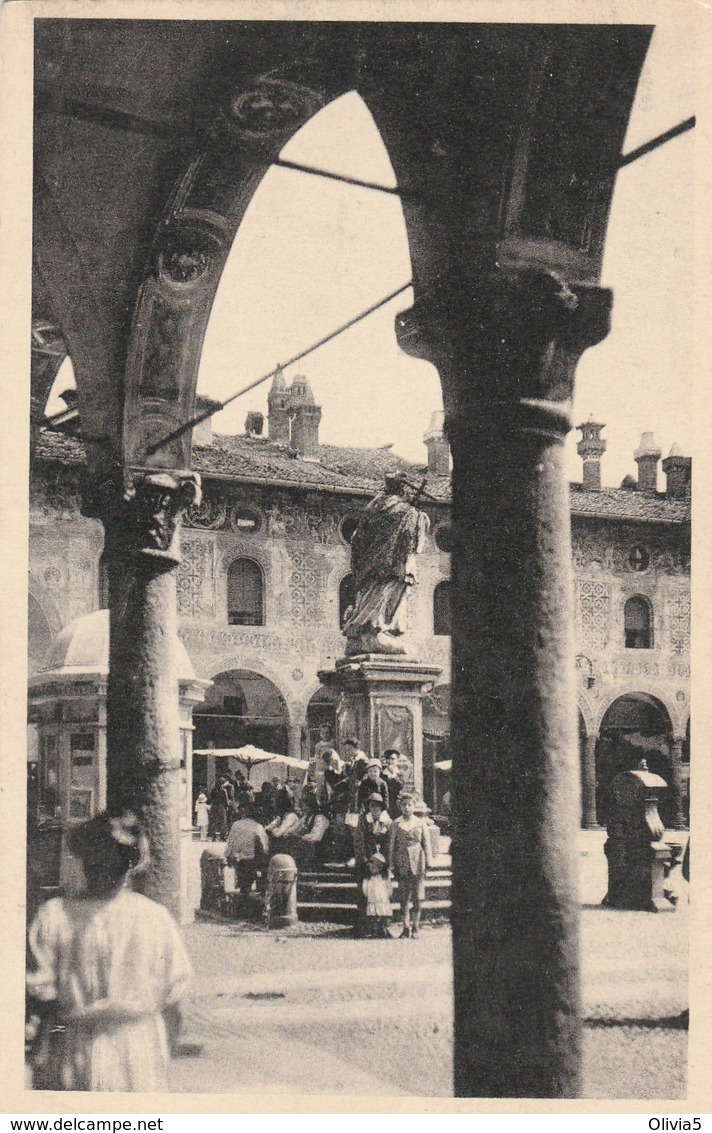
pixel 141 513
pixel 510 339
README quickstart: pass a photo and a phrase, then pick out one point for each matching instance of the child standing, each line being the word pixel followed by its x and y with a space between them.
pixel 202 811
pixel 409 857
pixel 377 893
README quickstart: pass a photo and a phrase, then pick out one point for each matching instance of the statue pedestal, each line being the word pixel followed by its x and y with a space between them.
pixel 381 704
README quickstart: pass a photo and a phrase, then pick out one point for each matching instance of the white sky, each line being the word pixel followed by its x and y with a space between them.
pixel 312 253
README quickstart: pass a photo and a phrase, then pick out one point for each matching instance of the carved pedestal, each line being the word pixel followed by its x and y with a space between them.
pixel 381 704
pixel 637 858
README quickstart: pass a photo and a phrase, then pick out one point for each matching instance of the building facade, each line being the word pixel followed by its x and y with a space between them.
pixel 264 584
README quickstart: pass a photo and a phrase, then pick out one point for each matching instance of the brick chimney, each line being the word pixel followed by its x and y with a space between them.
pixel 437 445
pixel 278 411
pixel 203 433
pixel 646 457
pixel 678 471
pixel 305 416
pixel 591 448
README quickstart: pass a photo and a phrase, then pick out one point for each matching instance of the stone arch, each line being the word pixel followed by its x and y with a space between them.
pixel 205 210
pixel 643 688
pixel 587 713
pixel 636 725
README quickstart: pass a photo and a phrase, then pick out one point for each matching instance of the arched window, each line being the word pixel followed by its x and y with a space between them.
pixel 638 622
pixel 441 609
pixel 244 593
pixel 347 596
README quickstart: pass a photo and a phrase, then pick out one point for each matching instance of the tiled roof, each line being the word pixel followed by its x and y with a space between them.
pixel 52 445
pixel 626 503
pixel 362 470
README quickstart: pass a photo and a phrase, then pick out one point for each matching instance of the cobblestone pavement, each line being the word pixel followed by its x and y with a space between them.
pixel 316 1011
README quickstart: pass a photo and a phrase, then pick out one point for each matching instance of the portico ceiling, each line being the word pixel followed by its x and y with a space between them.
pixel 147 128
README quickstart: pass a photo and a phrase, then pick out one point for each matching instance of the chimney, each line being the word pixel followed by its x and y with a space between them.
pixel 305 415
pixel 437 445
pixel 591 448
pixel 678 470
pixel 646 457
pixel 254 424
pixel 203 433
pixel 278 410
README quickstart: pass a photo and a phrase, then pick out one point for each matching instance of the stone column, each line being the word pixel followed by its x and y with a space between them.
pixel 589 818
pixel 677 784
pixel 294 741
pixel 506 345
pixel 141 514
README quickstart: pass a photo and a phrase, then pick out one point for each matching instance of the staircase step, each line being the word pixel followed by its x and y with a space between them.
pixel 342 913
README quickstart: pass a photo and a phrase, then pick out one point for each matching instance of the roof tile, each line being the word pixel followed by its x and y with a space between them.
pixel 363 469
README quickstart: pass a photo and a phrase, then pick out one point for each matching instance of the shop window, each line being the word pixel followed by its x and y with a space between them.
pixel 347 596
pixel 441 609
pixel 244 593
pixel 638 622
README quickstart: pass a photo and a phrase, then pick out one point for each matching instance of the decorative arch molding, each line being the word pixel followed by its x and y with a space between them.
pixel 226 663
pixel 47 605
pixel 190 250
pixel 588 713
pixel 647 689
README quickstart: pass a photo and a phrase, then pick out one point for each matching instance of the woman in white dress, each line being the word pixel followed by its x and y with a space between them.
pixel 110 969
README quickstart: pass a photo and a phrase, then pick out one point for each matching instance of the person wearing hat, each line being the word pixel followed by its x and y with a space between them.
pixel 370 837
pixel 376 889
pixel 110 968
pixel 394 778
pixel 409 858
pixel 372 783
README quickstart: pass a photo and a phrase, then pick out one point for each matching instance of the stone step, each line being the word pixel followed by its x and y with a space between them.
pixel 345 891
pixel 345 913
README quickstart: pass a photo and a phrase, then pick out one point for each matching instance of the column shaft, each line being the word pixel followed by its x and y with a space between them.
pixel 676 785
pixel 515 770
pixel 141 514
pixel 589 817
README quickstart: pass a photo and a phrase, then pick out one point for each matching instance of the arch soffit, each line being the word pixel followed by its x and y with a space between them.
pixel 228 663
pixel 190 252
pixel 646 689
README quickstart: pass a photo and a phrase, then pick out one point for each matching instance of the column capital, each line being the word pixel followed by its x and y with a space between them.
pixel 141 511
pixel 510 339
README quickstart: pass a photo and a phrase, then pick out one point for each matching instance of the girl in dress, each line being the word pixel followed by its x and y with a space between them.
pixel 202 813
pixel 377 894
pixel 110 968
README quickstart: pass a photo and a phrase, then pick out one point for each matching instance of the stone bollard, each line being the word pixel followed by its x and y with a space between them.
pixel 212 880
pixel 281 900
pixel 637 858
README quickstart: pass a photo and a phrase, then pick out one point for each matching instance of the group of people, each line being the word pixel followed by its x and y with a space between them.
pixel 217 809
pixel 359 810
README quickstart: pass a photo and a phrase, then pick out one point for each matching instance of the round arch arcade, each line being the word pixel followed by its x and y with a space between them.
pixel 241 707
pixel 635 726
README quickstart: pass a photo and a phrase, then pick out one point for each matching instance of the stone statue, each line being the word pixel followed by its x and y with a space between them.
pixel 389 535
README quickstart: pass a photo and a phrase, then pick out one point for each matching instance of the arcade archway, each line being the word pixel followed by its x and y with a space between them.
pixel 636 726
pixel 241 707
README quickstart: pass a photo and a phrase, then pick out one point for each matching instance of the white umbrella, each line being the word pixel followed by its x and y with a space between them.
pixel 444 765
pixel 251 756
